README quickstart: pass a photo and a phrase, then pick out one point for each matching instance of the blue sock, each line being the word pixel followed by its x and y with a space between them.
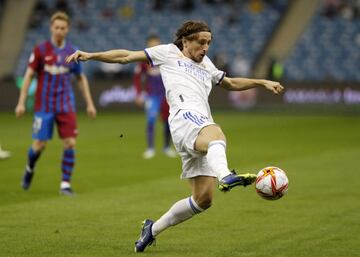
pixel 67 166
pixel 33 157
pixel 150 134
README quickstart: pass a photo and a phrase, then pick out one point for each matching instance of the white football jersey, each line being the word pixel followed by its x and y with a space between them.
pixel 187 83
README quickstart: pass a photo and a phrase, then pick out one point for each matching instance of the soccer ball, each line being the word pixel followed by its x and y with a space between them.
pixel 271 183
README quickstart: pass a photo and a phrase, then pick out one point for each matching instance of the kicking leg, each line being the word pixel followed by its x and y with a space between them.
pixel 211 140
pixel 200 200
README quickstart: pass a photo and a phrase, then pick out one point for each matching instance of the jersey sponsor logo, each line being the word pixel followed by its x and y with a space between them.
pixel 48 58
pixel 194 70
pixel 56 70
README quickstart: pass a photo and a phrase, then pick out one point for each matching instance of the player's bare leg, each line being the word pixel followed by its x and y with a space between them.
pixel 200 200
pixel 211 140
pixel 203 190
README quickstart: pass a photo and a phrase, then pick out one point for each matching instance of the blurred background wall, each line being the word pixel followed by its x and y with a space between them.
pixel 312 47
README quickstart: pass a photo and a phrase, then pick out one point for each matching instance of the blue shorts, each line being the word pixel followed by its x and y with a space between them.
pixel 155 105
pixel 43 125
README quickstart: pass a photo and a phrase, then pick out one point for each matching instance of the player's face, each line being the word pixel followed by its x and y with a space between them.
pixel 59 29
pixel 197 48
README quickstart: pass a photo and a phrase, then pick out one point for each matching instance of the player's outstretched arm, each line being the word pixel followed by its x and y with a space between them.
pixel 20 107
pixel 239 84
pixel 112 56
pixel 83 84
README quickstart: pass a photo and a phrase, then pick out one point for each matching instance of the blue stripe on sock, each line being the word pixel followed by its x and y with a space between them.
pixel 32 157
pixel 69 160
pixel 67 168
pixel 195 210
pixel 69 151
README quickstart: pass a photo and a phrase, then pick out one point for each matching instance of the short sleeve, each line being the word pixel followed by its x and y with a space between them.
pixel 157 55
pixel 35 59
pixel 76 68
pixel 216 75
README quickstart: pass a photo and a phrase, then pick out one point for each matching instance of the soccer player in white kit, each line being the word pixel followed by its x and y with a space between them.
pixel 189 75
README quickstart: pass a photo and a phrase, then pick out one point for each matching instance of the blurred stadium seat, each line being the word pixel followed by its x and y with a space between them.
pixel 100 25
pixel 329 50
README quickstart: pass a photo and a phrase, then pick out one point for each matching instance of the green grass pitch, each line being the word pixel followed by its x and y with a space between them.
pixel 116 189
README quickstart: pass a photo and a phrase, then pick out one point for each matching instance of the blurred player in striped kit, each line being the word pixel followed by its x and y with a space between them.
pixel 54 99
pixel 154 100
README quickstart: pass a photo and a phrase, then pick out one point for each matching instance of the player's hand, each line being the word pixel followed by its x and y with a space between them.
pixel 139 101
pixel 273 86
pixel 91 111
pixel 20 110
pixel 78 56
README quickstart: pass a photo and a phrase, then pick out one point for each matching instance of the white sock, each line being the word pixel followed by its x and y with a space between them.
pixel 179 212
pixel 216 158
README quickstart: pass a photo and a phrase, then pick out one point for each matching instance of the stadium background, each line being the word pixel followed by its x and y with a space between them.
pixel 311 131
pixel 311 46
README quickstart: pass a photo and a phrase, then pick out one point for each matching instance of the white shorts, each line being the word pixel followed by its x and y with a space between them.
pixel 185 127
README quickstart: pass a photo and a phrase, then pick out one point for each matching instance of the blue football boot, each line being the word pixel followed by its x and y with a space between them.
pixel 146 237
pixel 67 191
pixel 27 178
pixel 233 180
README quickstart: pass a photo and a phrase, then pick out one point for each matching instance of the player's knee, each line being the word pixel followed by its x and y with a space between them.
pixel 69 143
pixel 206 135
pixel 204 201
pixel 217 134
pixel 39 145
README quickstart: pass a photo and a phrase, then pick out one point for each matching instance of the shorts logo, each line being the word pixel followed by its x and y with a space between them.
pixel 194 118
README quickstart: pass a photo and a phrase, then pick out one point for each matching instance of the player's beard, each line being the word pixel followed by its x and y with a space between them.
pixel 200 58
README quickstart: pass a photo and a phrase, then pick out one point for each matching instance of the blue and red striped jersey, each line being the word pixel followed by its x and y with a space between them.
pixel 54 92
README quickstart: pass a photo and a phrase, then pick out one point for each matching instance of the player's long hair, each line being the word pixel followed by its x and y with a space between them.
pixel 189 30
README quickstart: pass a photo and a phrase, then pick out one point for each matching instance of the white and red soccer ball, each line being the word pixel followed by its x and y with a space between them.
pixel 271 183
